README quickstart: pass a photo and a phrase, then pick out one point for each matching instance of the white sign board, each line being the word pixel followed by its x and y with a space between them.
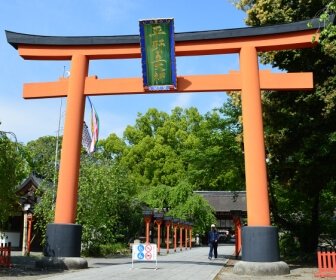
pixel 144 252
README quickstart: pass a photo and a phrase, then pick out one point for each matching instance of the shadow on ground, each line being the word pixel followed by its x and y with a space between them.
pixel 25 266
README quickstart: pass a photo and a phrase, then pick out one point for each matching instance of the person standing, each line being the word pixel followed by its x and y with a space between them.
pixel 213 242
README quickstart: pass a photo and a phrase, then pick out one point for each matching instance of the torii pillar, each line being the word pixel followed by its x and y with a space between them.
pixel 190 234
pixel 236 216
pixel 181 226
pixel 259 239
pixel 168 221
pixel 148 214
pixel 175 225
pixel 64 236
pixel 186 227
pixel 158 220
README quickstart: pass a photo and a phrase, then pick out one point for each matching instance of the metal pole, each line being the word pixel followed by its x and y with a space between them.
pixel 58 132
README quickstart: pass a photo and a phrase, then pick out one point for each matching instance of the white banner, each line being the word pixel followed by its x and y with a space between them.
pixel 144 252
pixel 86 138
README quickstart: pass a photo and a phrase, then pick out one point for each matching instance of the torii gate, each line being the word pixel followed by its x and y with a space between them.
pixel 247 42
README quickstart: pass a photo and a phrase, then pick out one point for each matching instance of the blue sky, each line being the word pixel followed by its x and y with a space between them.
pixel 31 119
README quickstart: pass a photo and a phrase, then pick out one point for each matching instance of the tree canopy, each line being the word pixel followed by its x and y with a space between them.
pixel 299 128
pixel 162 149
pixel 13 170
pixel 41 155
pixel 157 164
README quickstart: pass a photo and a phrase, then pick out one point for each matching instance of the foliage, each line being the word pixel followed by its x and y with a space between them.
pixel 180 202
pixel 113 147
pixel 164 149
pixel 106 250
pixel 13 170
pixel 157 164
pixel 327 217
pixel 159 198
pixel 216 161
pixel 153 154
pixel 299 128
pixel 106 207
pixel 40 155
pixel 289 246
pixel 328 33
pixel 171 155
pixel 197 210
pixel 44 211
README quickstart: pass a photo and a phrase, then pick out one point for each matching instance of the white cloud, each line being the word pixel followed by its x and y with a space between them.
pixel 182 100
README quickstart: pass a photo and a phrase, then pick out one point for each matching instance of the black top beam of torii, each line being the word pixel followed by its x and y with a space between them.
pixel 15 39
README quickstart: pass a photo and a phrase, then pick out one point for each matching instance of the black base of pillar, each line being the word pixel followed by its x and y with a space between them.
pixel 260 244
pixel 63 240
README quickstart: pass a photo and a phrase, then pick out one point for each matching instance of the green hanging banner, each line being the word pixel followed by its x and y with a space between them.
pixel 157 44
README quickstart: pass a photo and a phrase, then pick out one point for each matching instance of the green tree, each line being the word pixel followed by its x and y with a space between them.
pixel 13 170
pixel 164 149
pixel 299 128
pixel 169 156
pixel 44 210
pixel 41 154
pixel 112 148
pixel 180 202
pixel 153 150
pixel 328 33
pixel 159 161
pixel 216 161
pixel 43 161
pixel 106 205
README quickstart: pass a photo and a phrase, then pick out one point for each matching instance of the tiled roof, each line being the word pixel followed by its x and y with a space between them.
pixel 224 201
pixel 32 180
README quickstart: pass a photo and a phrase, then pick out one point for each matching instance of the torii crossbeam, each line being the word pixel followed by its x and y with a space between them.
pixel 247 42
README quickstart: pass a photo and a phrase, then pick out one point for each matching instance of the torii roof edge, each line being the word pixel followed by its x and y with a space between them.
pixel 15 39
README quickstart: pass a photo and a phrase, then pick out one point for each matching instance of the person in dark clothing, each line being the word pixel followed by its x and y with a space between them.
pixel 213 241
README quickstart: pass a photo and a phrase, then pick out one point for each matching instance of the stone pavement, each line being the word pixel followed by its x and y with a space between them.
pixel 186 264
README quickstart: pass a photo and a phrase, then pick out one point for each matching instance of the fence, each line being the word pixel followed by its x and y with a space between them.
pixel 326 258
pixel 5 252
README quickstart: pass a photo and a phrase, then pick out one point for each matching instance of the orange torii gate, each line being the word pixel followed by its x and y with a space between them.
pixel 247 42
